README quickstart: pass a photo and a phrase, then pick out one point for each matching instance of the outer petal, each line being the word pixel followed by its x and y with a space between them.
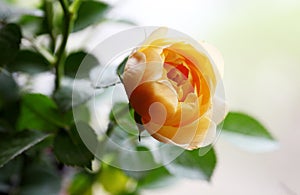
pixel 159 33
pixel 134 71
pixel 219 109
pixel 159 38
pixel 154 64
pixel 155 101
pixel 216 57
pixel 208 139
pixel 143 67
pixel 189 136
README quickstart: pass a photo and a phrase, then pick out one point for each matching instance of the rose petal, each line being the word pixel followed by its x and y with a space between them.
pixel 185 136
pixel 148 93
pixel 156 35
pixel 215 56
pixel 198 59
pixel 154 67
pixel 187 111
pixel 220 109
pixel 133 72
pixel 209 138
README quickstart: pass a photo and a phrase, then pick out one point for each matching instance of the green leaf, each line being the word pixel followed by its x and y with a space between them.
pixel 9 90
pixel 9 114
pixel 122 131
pixel 244 124
pixel 113 180
pixel 30 62
pixel 39 112
pixel 82 113
pixel 90 12
pixel 32 25
pixel 247 133
pixel 194 165
pixel 10 39
pixel 12 146
pixel 40 177
pixel 63 98
pixel 73 62
pixel 10 174
pixel 157 178
pixel 121 67
pixel 152 179
pixel 73 104
pixel 82 184
pixel 122 115
pixel 68 96
pixel 5 127
pixel 9 100
pixel 71 150
pixel 142 160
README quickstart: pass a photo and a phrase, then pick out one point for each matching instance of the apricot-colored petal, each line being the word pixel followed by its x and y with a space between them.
pixel 134 71
pixel 187 111
pixel 207 139
pixel 219 109
pixel 157 34
pixel 148 93
pixel 173 58
pixel 154 64
pixel 186 136
pixel 197 59
pixel 199 141
pixel 215 56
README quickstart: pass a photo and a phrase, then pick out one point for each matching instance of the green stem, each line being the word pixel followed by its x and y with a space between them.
pixel 48 7
pixel 69 18
pixel 110 129
pixel 60 55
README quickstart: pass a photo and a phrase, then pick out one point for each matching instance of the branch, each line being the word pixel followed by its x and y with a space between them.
pixel 59 64
pixel 49 21
pixel 70 14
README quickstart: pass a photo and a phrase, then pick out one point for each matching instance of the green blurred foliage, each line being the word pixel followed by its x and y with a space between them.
pixel 10 39
pixel 73 62
pixel 89 13
pixel 70 150
pixel 29 61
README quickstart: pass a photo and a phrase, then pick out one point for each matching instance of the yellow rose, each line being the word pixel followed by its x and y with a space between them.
pixel 171 84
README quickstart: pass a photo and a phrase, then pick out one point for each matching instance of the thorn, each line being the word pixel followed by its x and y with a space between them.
pixel 140 127
pixel 138 121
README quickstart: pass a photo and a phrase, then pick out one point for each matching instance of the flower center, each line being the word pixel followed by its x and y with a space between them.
pixel 178 74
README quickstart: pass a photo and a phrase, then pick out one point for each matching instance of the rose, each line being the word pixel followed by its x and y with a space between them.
pixel 171 84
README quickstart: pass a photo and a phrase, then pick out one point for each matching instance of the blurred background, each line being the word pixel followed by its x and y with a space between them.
pixel 260 43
